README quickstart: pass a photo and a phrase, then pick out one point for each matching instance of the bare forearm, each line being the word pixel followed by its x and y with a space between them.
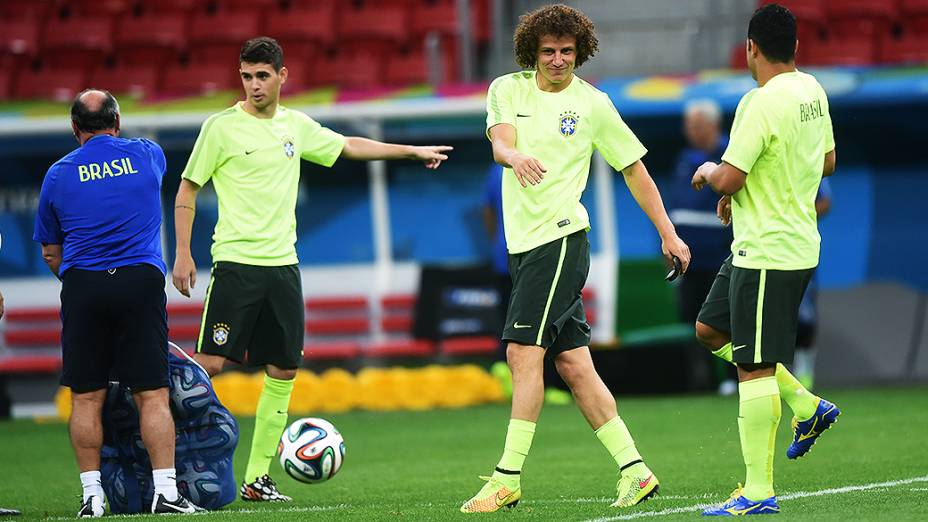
pixel 502 153
pixel 365 149
pixel 52 255
pixel 54 264
pixel 647 196
pixel 184 212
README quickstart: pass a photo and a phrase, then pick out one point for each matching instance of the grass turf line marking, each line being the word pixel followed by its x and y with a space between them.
pixel 788 496
pixel 223 512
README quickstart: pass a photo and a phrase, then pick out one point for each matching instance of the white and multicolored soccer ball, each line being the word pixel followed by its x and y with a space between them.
pixel 311 450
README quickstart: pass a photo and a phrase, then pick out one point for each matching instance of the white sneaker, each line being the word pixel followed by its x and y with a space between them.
pixel 91 508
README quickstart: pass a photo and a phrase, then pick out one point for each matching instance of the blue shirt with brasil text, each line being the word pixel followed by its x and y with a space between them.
pixel 102 203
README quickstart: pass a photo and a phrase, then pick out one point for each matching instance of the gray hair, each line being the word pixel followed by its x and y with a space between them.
pixel 707 107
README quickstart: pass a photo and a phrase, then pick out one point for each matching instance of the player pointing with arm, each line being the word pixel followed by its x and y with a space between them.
pixel 254 302
pixel 544 124
pixel 781 145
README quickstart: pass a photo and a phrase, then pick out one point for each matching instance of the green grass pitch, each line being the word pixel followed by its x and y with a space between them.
pixel 422 466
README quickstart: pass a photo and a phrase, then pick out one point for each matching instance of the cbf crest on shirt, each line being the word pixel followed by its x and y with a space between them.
pixel 568 123
pixel 561 130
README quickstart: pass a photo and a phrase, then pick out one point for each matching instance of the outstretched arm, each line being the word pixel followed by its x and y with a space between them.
pixel 645 192
pixel 366 149
pixel 184 274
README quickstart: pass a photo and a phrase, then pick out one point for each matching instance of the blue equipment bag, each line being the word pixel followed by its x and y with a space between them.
pixel 205 443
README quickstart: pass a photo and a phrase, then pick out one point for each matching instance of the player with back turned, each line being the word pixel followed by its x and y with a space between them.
pixel 544 123
pixel 254 303
pixel 780 148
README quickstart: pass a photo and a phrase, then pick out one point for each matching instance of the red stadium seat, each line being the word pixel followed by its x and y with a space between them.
pixel 406 69
pixel 841 51
pixel 175 6
pixel 396 324
pixel 35 10
pixel 914 16
pixel 861 18
pixel 371 28
pixel 195 80
pixel 136 81
pixel 348 71
pixel 77 42
pixel 810 17
pixel 305 25
pixel 152 39
pixel 910 49
pixel 245 5
pixel 19 37
pixel 24 337
pixel 24 315
pixel 98 7
pixel 56 84
pixel 207 45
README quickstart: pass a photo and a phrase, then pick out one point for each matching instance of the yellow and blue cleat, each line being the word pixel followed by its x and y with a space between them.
pixel 635 488
pixel 805 433
pixel 738 505
pixel 492 496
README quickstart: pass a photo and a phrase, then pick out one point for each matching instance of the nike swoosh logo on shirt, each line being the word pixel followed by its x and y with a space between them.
pixel 523 115
pixel 247 152
pixel 517 325
pixel 736 348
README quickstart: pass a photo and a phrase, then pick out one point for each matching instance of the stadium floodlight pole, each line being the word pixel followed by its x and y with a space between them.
pixel 608 258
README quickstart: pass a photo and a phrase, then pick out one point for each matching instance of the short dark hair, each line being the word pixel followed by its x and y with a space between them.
pixel 773 29
pixel 103 118
pixel 263 49
pixel 556 20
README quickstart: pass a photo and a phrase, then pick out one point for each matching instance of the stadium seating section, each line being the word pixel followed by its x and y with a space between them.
pixel 856 32
pixel 338 329
pixel 51 49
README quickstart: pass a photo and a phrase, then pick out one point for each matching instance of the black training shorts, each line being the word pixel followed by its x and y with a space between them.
pixel 114 327
pixel 546 305
pixel 256 311
pixel 759 308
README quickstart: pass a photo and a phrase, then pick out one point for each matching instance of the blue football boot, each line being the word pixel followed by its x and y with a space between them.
pixel 805 433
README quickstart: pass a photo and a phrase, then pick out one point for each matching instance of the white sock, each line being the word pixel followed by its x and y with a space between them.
pixel 165 483
pixel 90 482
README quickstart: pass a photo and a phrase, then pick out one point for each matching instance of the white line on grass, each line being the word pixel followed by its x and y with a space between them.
pixel 246 511
pixel 788 496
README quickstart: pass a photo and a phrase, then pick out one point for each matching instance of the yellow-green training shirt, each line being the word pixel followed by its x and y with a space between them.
pixel 560 130
pixel 255 168
pixel 780 136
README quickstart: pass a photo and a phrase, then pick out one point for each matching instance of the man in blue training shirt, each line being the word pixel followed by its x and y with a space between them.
pixel 99 222
pixel 694 215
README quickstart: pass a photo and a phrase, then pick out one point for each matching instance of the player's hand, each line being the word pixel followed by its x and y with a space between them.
pixel 723 210
pixel 674 246
pixel 431 155
pixel 528 170
pixel 185 274
pixel 1 306
pixel 699 179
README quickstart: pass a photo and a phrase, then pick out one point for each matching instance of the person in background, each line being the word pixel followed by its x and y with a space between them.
pixel 804 360
pixel 693 214
pixel 502 282
pixel 99 223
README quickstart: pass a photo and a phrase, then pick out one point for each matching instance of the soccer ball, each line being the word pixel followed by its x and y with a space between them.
pixel 311 450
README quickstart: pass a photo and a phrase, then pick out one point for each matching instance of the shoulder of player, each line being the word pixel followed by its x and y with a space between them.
pixel 512 80
pixel 216 120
